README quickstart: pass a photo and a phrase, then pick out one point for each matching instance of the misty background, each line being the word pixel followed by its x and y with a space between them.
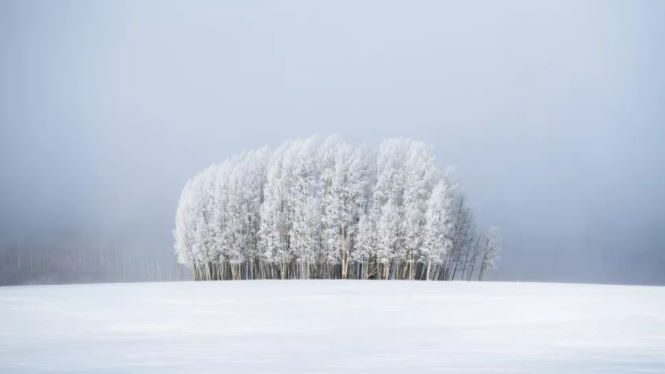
pixel 552 112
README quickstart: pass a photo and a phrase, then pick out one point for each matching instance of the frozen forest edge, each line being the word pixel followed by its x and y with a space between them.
pixel 324 209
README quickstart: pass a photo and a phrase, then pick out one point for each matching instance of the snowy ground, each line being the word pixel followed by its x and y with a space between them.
pixel 332 327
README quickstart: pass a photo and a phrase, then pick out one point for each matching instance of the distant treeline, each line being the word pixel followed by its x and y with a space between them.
pixel 72 262
pixel 321 208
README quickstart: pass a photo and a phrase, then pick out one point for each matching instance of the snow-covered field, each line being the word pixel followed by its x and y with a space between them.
pixel 332 327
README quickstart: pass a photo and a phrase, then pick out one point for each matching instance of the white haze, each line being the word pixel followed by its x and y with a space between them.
pixel 552 112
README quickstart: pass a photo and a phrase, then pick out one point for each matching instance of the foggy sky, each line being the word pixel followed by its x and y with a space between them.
pixel 553 113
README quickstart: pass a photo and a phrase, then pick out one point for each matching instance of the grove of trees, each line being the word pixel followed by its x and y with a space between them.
pixel 322 208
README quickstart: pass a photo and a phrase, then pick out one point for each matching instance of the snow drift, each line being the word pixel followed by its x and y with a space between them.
pixel 320 326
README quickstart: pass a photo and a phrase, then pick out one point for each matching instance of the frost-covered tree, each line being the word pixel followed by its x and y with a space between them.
pixel 389 244
pixel 322 208
pixel 388 205
pixel 421 175
pixel 436 239
pixel 184 232
pixel 305 203
pixel 365 246
pixel 490 253
pixel 274 234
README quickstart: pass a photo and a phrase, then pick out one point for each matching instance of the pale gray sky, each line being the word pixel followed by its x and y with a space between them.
pixel 552 112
